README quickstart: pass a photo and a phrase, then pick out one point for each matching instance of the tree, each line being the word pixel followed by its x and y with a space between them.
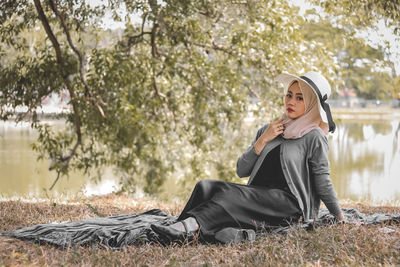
pixel 364 13
pixel 354 15
pixel 362 67
pixel 164 97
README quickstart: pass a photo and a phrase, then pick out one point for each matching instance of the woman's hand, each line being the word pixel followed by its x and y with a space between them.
pixel 341 218
pixel 274 129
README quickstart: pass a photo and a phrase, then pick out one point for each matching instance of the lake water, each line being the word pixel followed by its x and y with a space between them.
pixel 364 156
pixel 365 160
pixel 21 175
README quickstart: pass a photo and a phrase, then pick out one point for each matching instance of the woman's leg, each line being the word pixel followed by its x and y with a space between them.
pixel 246 207
pixel 202 192
pixel 216 205
pixel 187 224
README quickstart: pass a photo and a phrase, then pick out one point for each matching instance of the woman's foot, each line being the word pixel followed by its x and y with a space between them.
pixel 180 230
pixel 189 225
pixel 235 235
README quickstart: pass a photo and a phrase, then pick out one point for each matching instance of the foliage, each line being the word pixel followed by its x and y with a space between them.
pixel 364 13
pixel 362 67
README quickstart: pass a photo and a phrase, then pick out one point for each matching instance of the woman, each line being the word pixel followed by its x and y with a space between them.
pixel 288 167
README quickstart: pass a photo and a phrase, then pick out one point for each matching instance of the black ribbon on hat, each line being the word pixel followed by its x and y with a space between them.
pixel 322 100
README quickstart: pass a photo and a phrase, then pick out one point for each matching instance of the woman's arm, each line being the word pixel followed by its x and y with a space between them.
pixel 319 167
pixel 246 161
pixel 327 194
pixel 274 129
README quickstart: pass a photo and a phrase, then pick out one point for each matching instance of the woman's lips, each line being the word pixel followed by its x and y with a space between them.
pixel 290 110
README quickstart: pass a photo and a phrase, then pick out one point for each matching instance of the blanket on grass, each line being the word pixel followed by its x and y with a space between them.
pixel 119 231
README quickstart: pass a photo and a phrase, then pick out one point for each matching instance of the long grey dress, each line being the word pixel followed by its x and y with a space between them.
pixel 266 201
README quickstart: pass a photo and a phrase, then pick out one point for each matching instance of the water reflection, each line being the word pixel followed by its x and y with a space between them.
pixel 364 155
pixel 365 160
pixel 22 175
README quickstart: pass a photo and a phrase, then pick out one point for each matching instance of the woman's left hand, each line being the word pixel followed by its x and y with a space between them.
pixel 341 218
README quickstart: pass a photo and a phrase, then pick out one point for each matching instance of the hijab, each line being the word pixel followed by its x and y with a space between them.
pixel 311 119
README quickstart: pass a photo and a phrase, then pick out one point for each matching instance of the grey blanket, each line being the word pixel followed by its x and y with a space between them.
pixel 119 231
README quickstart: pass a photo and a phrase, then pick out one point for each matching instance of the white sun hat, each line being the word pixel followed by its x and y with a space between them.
pixel 320 87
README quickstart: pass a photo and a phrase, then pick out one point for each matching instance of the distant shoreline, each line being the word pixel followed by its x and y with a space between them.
pixel 366 113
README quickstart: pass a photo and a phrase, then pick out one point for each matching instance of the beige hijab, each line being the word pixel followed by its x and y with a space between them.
pixel 311 119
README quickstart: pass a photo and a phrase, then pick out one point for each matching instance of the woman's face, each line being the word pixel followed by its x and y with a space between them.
pixel 294 102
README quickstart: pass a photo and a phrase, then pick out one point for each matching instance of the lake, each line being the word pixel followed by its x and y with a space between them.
pixel 364 156
pixel 365 160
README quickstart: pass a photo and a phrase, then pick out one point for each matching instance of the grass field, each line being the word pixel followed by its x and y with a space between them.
pixel 345 244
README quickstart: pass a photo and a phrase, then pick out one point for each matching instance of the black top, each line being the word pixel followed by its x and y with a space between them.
pixel 270 172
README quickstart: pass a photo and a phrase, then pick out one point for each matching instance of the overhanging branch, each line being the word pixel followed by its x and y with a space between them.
pixel 203 82
pixel 88 94
pixel 65 161
pixel 132 39
pixel 64 74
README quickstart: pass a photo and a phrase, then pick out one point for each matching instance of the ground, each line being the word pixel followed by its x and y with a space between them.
pixel 345 244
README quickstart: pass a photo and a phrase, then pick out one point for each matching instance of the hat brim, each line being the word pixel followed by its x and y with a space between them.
pixel 286 79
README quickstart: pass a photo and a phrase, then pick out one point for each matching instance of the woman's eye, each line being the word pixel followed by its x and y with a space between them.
pixel 299 98
pixel 288 95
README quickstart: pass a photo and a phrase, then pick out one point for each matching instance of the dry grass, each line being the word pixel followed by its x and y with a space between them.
pixel 337 245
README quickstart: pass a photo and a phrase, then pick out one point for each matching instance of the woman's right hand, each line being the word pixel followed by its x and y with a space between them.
pixel 274 129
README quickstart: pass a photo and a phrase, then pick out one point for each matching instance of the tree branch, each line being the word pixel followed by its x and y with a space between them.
pixel 131 39
pixel 67 83
pixel 65 161
pixel 49 33
pixel 203 82
pixel 154 51
pixel 155 54
pixel 214 46
pixel 88 94
pixel 155 86
pixel 253 92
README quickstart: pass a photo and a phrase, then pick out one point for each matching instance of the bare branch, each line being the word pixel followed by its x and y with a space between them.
pixel 253 92
pixel 65 161
pixel 144 21
pixel 154 51
pixel 132 39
